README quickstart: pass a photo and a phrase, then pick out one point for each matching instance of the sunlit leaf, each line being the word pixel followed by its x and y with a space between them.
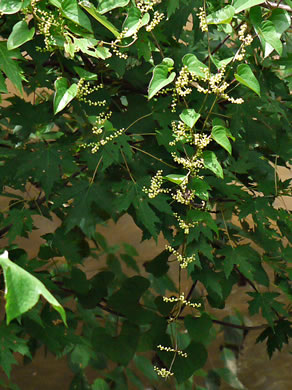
pixel 194 65
pixel 63 95
pixel 211 162
pixel 220 135
pixel 19 35
pixel 189 117
pixel 108 5
pixel 241 5
pixel 222 16
pixel 22 290
pixel 246 77
pixel 160 77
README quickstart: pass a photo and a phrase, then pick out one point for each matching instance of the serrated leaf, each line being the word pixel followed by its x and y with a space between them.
pixel 147 217
pixel 63 95
pixel 246 77
pixel 22 290
pixel 174 178
pixel 194 65
pixel 222 16
pixel 10 6
pixel 172 5
pixel 9 66
pixel 19 35
pixel 219 134
pixel 160 77
pixel 108 5
pixel 241 5
pixel 89 7
pixel 3 88
pixel 211 162
pixel 189 117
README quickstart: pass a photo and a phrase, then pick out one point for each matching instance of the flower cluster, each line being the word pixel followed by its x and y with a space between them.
pixel 115 44
pixel 183 301
pixel 183 261
pixel 169 349
pixel 185 226
pixel 192 164
pixel 84 89
pixel 203 20
pixel 157 17
pixel 96 145
pixel 155 186
pixel 246 41
pixel 163 372
pixel 46 22
pixel 100 121
pixel 147 5
pixel 181 132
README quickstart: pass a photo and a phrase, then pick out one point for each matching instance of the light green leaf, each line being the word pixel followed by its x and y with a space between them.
pixel 189 117
pixel 85 74
pixel 177 179
pixel 241 5
pixel 221 63
pixel 19 35
pixel 90 46
pixel 9 66
pixel 10 6
pixel 194 65
pixel 159 79
pixel 107 5
pixel 220 135
pixel 63 94
pixel 133 21
pixel 222 16
pixel 22 290
pixel 270 35
pixel 100 384
pixel 211 162
pixel 71 10
pixel 97 16
pixel 246 77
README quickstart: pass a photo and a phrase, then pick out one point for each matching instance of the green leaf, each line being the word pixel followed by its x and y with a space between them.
pixel 19 35
pixel 177 179
pixel 270 35
pixel 172 5
pixel 9 66
pixel 199 328
pixel 147 216
pixel 194 65
pixel 10 6
pixel 63 95
pixel 108 5
pixel 246 77
pixel 100 384
pixel 89 7
pixel 222 16
pixel 22 290
pixel 10 344
pixel 189 117
pixel 241 5
pixel 268 305
pixel 90 46
pixel 211 162
pixel 159 79
pixel 183 368
pixel 3 88
pixel 71 10
pixel 200 187
pixel 133 21
pixel 219 134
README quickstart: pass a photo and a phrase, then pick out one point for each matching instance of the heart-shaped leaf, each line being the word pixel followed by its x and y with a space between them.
pixel 222 16
pixel 63 94
pixel 211 162
pixel 194 65
pixel 189 117
pixel 160 77
pixel 219 134
pixel 241 5
pixel 19 35
pixel 246 77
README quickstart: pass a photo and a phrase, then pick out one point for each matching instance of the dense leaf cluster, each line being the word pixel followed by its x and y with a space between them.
pixel 177 113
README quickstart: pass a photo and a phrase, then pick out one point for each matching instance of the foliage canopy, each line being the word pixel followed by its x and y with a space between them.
pixel 177 113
